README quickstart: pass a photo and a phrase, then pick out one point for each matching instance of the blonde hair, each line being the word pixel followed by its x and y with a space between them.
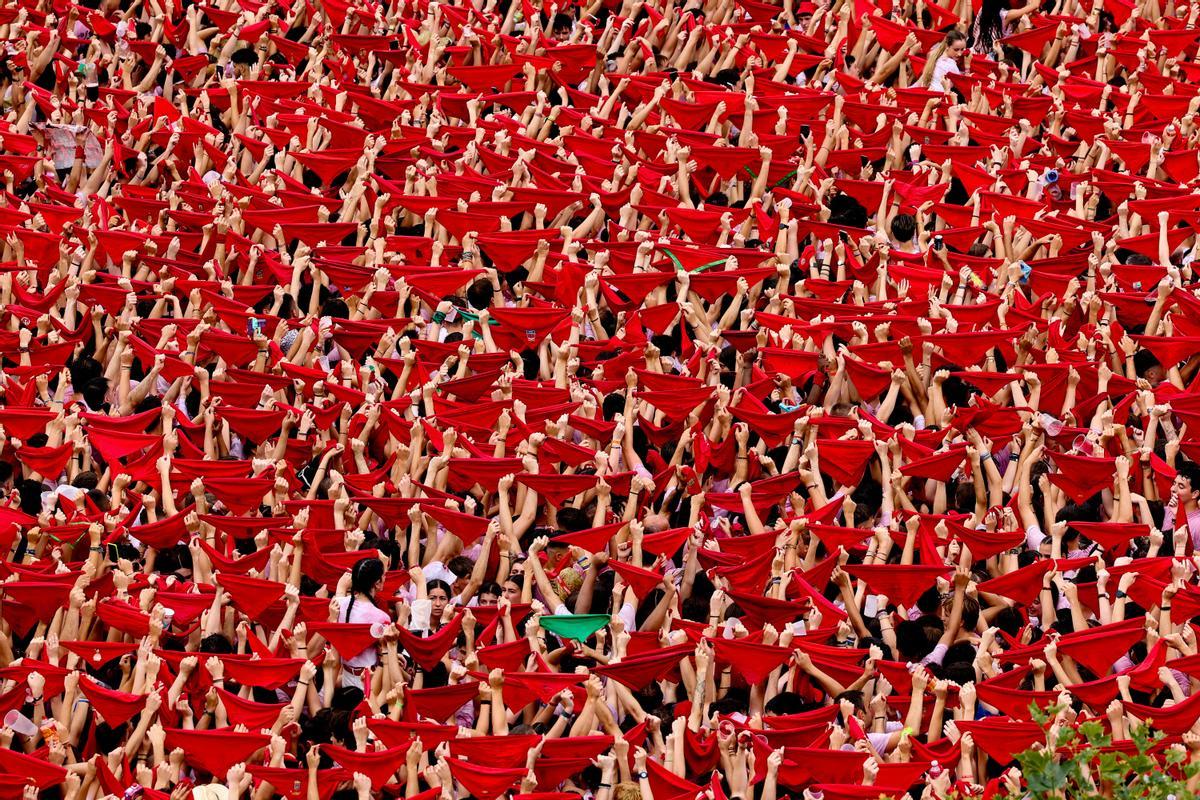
pixel 952 36
pixel 627 791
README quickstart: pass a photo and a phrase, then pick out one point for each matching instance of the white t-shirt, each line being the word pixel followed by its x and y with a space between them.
pixel 944 66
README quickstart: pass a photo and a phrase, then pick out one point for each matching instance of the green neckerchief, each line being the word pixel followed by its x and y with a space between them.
pixel 777 183
pixel 475 317
pixel 574 626
pixel 701 268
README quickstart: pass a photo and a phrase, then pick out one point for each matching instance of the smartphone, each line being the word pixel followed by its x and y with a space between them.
pixel 938 244
pixel 804 131
pixel 254 326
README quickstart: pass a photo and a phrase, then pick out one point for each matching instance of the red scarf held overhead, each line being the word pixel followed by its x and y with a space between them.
pixel 754 662
pixel 557 489
pixel 439 703
pixel 485 783
pixel 429 651
pixel 242 711
pixel 349 639
pixel 501 752
pixel 293 784
pixel 509 657
pixel 251 596
pixel 37 771
pixel 116 708
pixel 467 527
pixel 1002 738
pixel 265 673
pixel 902 583
pixel 639 671
pixel 215 751
pixel 641 580
pixel 402 734
pixel 378 766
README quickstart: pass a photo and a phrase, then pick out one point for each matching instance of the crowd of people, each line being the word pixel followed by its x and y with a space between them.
pixel 594 400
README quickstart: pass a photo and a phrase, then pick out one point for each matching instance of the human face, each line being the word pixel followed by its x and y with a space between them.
pixel 1181 487
pixel 512 591
pixel 957 50
pixel 438 599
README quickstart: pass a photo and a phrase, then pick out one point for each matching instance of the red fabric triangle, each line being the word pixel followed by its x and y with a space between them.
pixel 123 617
pixel 666 543
pixel 43 599
pixel 442 702
pixel 504 752
pixel 530 686
pixel 215 751
pixel 48 462
pixel 429 651
pixel 485 783
pixel 984 544
pixel 666 785
pixel 97 654
pixel 754 662
pixel 115 446
pixel 639 671
pixel 378 766
pixel 251 596
pixel 1097 648
pixel 558 489
pixel 938 467
pixel 164 533
pixel 402 734
pixel 115 707
pixel 265 673
pixel 641 580
pixel 349 639
pixel 257 425
pixel 766 610
pixel 844 459
pixel 1023 585
pixel 809 764
pixel 902 583
pixel 593 540
pixel 1082 476
pixel 241 711
pixel 187 607
pixel 510 656
pixel 241 495
pixel 467 527
pixel 1002 738
pixel 39 772
pixel 292 784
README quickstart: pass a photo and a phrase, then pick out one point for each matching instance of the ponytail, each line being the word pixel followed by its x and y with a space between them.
pixel 952 36
pixel 931 63
pixel 363 577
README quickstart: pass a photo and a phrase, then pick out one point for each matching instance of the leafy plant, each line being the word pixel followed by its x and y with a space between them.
pixel 1083 764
